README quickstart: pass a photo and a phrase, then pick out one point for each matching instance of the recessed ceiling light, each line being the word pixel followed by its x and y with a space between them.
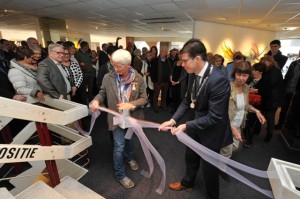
pixel 5 10
pixel 96 27
pixel 222 18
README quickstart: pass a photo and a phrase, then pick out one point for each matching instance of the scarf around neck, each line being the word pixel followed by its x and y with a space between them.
pixel 125 86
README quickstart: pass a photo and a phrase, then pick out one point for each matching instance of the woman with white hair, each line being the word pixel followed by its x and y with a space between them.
pixel 125 92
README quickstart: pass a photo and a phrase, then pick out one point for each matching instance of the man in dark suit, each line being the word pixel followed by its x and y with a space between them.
pixel 51 77
pixel 208 96
pixel 103 57
pixel 105 68
pixel 160 74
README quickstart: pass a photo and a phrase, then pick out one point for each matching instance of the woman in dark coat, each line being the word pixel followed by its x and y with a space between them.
pixel 253 126
pixel 272 93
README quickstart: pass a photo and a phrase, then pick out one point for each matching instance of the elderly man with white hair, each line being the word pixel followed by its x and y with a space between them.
pixel 51 76
pixel 125 92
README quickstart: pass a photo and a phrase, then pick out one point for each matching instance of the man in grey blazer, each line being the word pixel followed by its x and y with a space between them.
pixel 208 96
pixel 125 92
pixel 51 77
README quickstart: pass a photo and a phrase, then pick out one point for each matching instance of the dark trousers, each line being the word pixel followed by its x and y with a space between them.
pixel 210 173
pixel 80 95
pixel 176 96
pixel 270 118
pixel 253 126
pixel 284 108
pixel 163 87
pixel 88 86
pixel 150 95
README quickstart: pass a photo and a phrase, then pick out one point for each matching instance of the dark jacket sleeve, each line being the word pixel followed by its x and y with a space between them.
pixel 103 58
pixel 218 105
pixel 153 70
pixel 6 88
pixel 6 94
pixel 101 72
pixel 282 60
pixel 289 73
pixel 185 104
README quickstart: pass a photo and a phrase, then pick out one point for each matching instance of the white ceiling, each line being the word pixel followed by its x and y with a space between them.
pixel 141 17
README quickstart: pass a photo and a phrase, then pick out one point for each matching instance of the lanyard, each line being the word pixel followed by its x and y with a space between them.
pixel 193 103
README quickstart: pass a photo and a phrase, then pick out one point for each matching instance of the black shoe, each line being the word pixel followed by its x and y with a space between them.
pixel 268 138
pixel 247 145
pixel 165 108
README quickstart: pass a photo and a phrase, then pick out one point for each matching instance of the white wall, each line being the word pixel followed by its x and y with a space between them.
pixel 236 37
pixel 107 39
pixel 17 35
pixel 75 36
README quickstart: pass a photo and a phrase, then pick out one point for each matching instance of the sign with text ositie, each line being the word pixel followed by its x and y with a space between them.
pixel 25 153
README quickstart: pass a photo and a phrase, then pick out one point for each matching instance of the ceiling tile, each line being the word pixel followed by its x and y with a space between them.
pixel 157 1
pixel 103 4
pixel 165 7
pixel 128 3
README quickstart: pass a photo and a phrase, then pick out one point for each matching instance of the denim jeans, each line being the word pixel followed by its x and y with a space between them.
pixel 123 149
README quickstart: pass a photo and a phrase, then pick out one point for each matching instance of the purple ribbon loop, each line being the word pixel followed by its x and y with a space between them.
pixel 208 155
pixel 94 117
pixel 223 163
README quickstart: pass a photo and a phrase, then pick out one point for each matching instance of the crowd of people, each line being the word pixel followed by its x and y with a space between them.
pixel 229 104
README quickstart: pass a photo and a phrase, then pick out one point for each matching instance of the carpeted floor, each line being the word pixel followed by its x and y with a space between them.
pixel 100 177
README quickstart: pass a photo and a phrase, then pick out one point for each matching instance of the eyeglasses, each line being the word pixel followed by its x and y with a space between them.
pixel 59 53
pixel 119 66
pixel 186 60
pixel 66 54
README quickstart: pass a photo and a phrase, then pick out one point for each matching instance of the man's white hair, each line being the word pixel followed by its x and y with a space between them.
pixel 121 56
pixel 52 46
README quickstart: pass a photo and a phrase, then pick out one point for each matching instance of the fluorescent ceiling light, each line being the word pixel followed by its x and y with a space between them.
pixel 290 28
pixel 185 32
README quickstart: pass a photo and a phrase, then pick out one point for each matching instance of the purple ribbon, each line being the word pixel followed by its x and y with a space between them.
pixel 219 161
pixel 94 117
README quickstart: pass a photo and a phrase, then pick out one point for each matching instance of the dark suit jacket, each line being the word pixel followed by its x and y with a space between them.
pixel 6 88
pixel 166 71
pixel 289 74
pixel 279 58
pixel 50 79
pixel 211 118
pixel 272 89
pixel 103 58
pixel 104 69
